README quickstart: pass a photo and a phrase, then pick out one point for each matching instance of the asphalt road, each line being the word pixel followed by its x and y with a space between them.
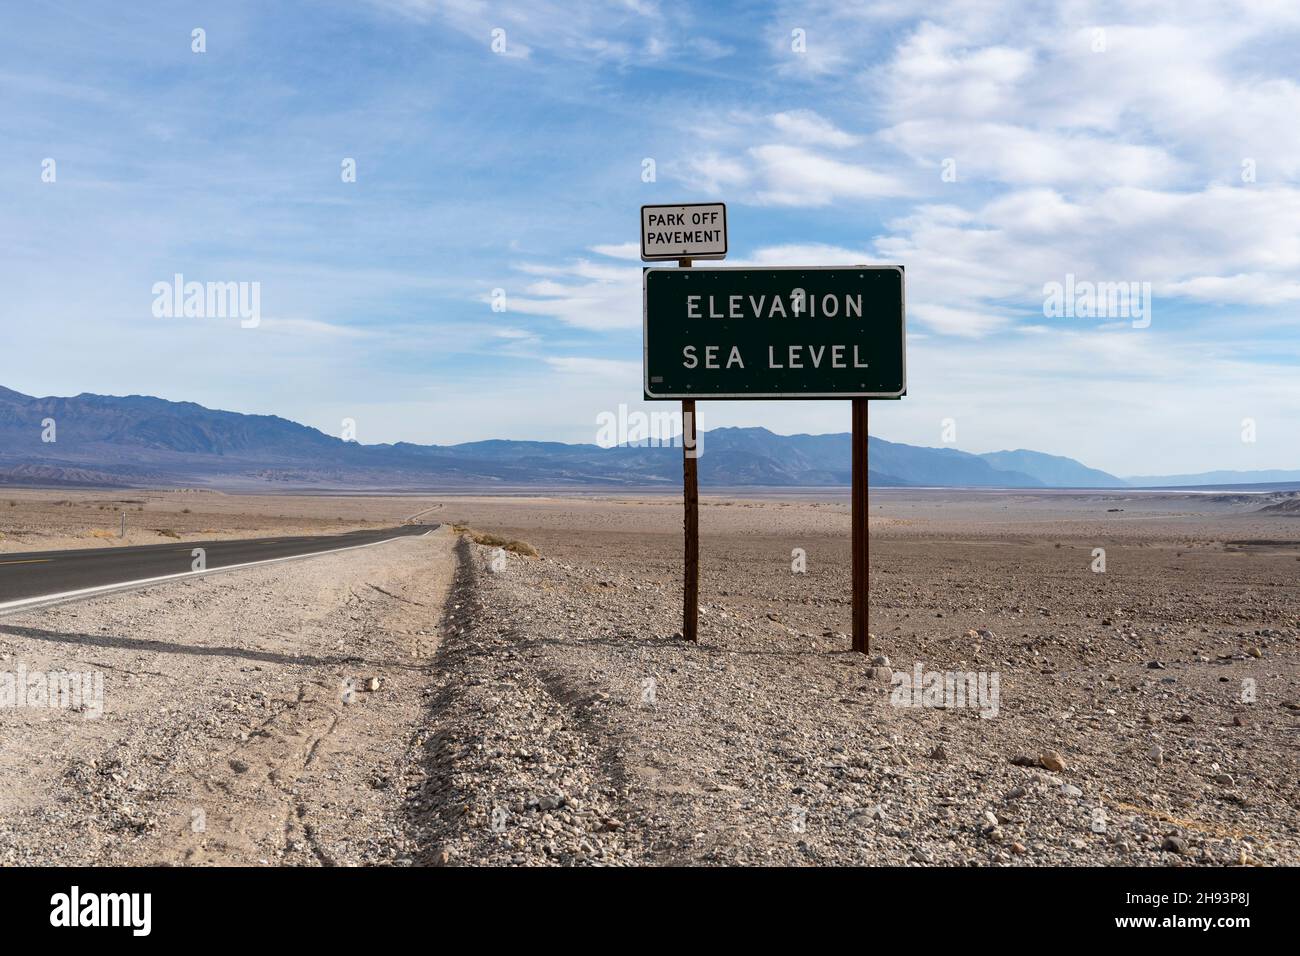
pixel 45 573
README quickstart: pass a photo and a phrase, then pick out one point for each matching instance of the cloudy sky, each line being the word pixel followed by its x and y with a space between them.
pixel 989 151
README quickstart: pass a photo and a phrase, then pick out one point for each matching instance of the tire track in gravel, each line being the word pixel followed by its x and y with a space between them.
pixel 561 798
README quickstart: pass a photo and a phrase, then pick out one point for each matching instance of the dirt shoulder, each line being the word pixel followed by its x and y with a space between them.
pixel 1145 716
pixel 238 725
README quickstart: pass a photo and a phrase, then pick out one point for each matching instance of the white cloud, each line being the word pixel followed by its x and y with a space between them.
pixel 711 172
pixel 798 177
pixel 612 369
pixel 628 32
pixel 315 327
pixel 1007 153
pixel 587 295
pixel 1238 245
pixel 621 250
pixel 810 129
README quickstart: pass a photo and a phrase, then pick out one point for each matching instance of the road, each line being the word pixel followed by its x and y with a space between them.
pixel 24 578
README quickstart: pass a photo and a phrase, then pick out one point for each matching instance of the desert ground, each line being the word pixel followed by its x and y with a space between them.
pixel 544 710
pixel 47 520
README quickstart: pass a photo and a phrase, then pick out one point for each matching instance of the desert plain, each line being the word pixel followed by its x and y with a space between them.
pixel 437 700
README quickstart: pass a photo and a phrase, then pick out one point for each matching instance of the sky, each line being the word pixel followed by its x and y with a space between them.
pixel 992 149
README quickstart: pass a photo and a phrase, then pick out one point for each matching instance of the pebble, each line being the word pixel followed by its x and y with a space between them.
pixel 1051 760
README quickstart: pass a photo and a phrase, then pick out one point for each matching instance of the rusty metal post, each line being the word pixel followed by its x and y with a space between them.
pixel 861 548
pixel 691 500
pixel 690 476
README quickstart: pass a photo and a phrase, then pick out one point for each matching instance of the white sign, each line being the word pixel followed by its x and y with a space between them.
pixel 694 231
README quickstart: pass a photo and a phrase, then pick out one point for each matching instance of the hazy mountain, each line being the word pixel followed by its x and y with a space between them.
pixel 940 466
pixel 138 440
pixel 1052 470
pixel 1215 478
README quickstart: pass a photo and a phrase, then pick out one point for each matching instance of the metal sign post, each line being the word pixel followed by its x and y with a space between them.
pixel 691 498
pixel 789 332
pixel 861 549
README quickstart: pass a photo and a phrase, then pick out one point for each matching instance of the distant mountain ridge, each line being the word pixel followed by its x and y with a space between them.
pixel 141 440
pixel 1216 478
pixel 1052 470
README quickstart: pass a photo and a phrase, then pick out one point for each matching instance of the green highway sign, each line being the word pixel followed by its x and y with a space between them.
pixel 785 332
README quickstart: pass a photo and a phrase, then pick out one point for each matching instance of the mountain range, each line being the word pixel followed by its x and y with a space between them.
pixel 102 440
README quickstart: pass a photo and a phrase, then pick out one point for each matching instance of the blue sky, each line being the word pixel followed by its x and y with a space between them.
pixel 1106 141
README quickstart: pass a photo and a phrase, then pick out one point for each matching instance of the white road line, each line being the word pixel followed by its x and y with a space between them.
pixel 32 603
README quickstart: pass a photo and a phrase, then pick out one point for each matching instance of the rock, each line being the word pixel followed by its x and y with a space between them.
pixel 1225 780
pixel 1157 755
pixel 938 753
pixel 238 765
pixel 1254 652
pixel 1174 844
pixel 1025 760
pixel 1018 849
pixel 880 660
pixel 1070 790
pixel 1239 721
pixel 885 675
pixel 1051 760
pixel 372 684
pixel 1155 666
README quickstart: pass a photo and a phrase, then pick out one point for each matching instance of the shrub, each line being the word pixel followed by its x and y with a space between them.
pixel 497 541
